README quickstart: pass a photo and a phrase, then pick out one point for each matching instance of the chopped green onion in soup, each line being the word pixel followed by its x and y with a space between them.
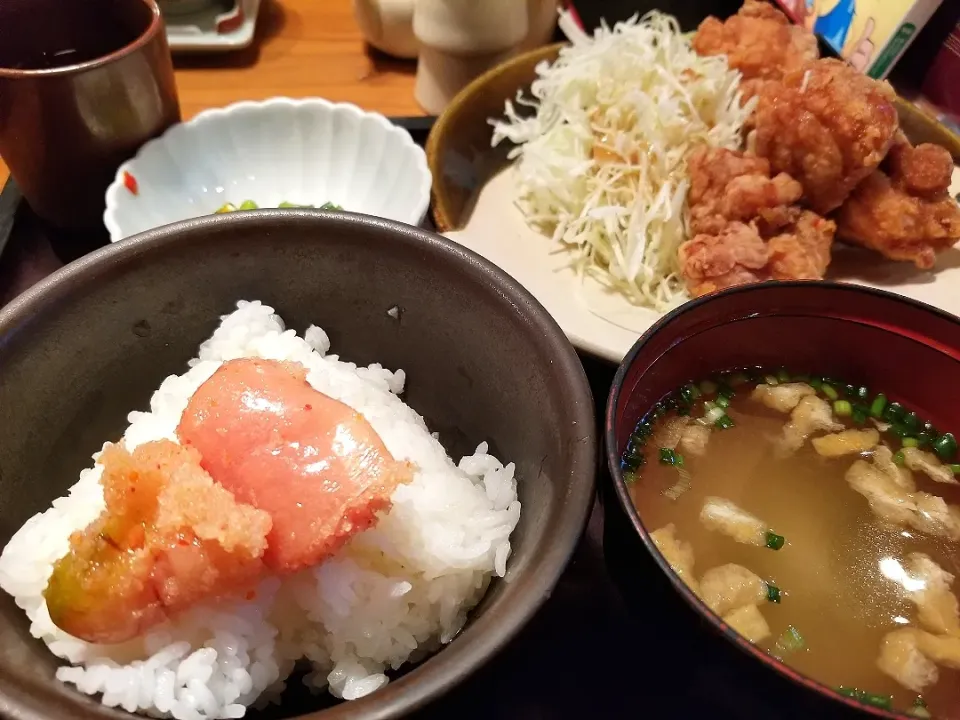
pixel 774 541
pixel 789 641
pixel 884 702
pixel 725 422
pixel 843 408
pixel 875 467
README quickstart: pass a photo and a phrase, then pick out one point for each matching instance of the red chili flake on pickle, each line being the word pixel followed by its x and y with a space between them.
pixel 130 183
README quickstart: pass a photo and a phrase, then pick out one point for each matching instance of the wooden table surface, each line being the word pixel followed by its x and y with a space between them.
pixel 303 48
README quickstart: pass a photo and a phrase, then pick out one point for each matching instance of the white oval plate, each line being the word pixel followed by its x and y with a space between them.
pixel 606 324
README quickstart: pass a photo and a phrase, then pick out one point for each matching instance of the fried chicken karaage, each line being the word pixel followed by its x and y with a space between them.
pixel 747 226
pixel 737 255
pixel 824 139
pixel 826 125
pixel 803 252
pixel 730 186
pixel 759 41
pixel 904 210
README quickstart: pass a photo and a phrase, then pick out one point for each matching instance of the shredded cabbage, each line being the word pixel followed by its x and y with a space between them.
pixel 602 163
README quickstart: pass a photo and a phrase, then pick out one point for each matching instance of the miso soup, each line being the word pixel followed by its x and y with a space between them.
pixel 820 521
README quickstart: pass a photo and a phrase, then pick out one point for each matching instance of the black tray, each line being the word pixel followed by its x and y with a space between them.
pixel 583 655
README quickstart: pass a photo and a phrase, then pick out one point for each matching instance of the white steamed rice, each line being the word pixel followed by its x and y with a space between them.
pixel 395 593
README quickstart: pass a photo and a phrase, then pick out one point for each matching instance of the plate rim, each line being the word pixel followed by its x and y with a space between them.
pixel 439 205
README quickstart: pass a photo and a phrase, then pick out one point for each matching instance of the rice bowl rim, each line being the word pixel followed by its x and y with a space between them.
pixel 483 636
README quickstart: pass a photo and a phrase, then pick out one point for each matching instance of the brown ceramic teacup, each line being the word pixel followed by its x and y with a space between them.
pixel 83 84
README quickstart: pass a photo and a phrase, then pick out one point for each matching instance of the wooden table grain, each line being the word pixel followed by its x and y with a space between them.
pixel 303 48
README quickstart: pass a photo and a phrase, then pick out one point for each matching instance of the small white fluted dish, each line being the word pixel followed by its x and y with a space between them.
pixel 306 152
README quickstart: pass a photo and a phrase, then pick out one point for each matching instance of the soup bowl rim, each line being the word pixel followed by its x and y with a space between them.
pixel 612 458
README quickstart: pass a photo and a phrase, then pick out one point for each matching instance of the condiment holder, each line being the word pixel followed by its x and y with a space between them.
pixel 388 26
pixel 459 39
pixel 455 40
pixel 175 8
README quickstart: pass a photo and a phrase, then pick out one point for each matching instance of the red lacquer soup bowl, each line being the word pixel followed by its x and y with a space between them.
pixel 908 350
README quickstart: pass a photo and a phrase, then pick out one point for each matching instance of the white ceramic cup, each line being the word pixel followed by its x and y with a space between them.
pixel 541 21
pixel 461 39
pixel 388 26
